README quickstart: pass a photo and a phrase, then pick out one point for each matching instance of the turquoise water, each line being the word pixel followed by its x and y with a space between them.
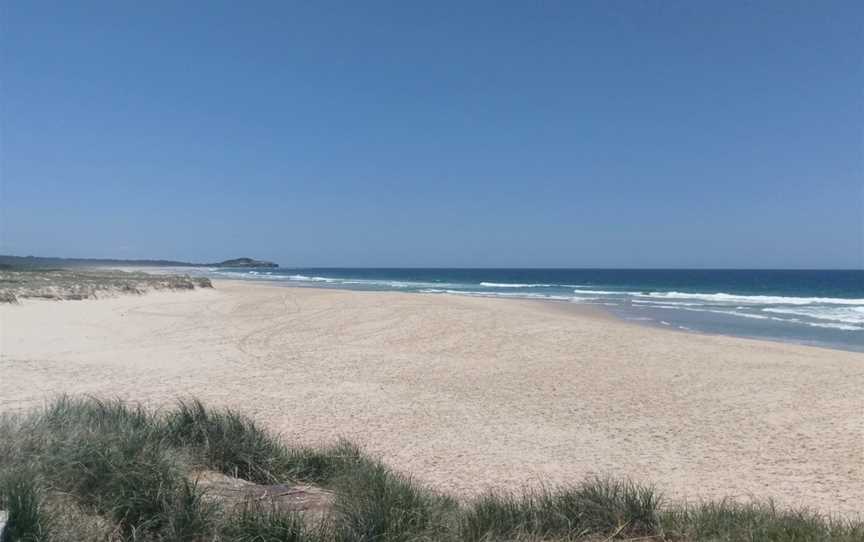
pixel 823 308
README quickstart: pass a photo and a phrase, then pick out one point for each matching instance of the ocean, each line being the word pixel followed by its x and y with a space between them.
pixel 823 308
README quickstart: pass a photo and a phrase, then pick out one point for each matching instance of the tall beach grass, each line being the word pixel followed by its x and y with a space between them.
pixel 87 469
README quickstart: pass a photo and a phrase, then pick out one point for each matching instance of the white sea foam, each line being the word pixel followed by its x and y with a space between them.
pixel 742 314
pixel 844 327
pixel 528 285
pixel 696 298
pixel 514 295
pixel 234 275
pixel 848 315
pixel 370 282
pixel 756 299
pixel 304 278
pixel 729 312
pixel 603 292
pixel 837 322
pixel 670 304
pixel 509 295
pixel 513 285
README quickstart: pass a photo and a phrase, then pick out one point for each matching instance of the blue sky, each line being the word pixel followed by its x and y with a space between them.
pixel 612 134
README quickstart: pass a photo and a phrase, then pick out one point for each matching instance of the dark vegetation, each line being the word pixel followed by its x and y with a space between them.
pixel 85 469
pixel 243 262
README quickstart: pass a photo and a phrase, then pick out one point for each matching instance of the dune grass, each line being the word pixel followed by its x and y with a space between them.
pixel 23 501
pixel 18 283
pixel 85 469
pixel 595 506
pixel 233 444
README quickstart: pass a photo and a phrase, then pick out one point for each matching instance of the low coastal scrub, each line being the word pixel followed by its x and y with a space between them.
pixel 85 469
pixel 21 283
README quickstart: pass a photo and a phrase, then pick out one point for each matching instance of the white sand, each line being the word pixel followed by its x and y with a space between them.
pixel 468 393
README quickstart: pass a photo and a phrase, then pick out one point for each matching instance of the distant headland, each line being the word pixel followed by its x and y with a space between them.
pixel 243 262
pixel 36 261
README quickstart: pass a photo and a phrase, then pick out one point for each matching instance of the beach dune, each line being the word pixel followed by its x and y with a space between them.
pixel 468 394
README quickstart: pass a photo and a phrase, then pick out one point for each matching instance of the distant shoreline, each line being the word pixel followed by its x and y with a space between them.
pixel 9 261
pixel 595 311
pixel 591 311
pixel 645 309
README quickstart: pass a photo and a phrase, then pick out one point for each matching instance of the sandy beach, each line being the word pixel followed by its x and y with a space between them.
pixel 468 394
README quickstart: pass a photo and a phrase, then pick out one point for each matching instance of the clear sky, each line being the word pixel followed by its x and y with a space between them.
pixel 616 134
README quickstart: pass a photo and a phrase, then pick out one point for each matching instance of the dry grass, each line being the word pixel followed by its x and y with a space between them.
pixel 16 284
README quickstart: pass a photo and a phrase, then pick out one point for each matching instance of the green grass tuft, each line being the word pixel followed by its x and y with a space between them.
pixel 22 500
pixel 256 522
pixel 595 507
pixel 233 444
pixel 227 442
pixel 112 458
pixel 730 521
pixel 187 516
pixel 375 503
